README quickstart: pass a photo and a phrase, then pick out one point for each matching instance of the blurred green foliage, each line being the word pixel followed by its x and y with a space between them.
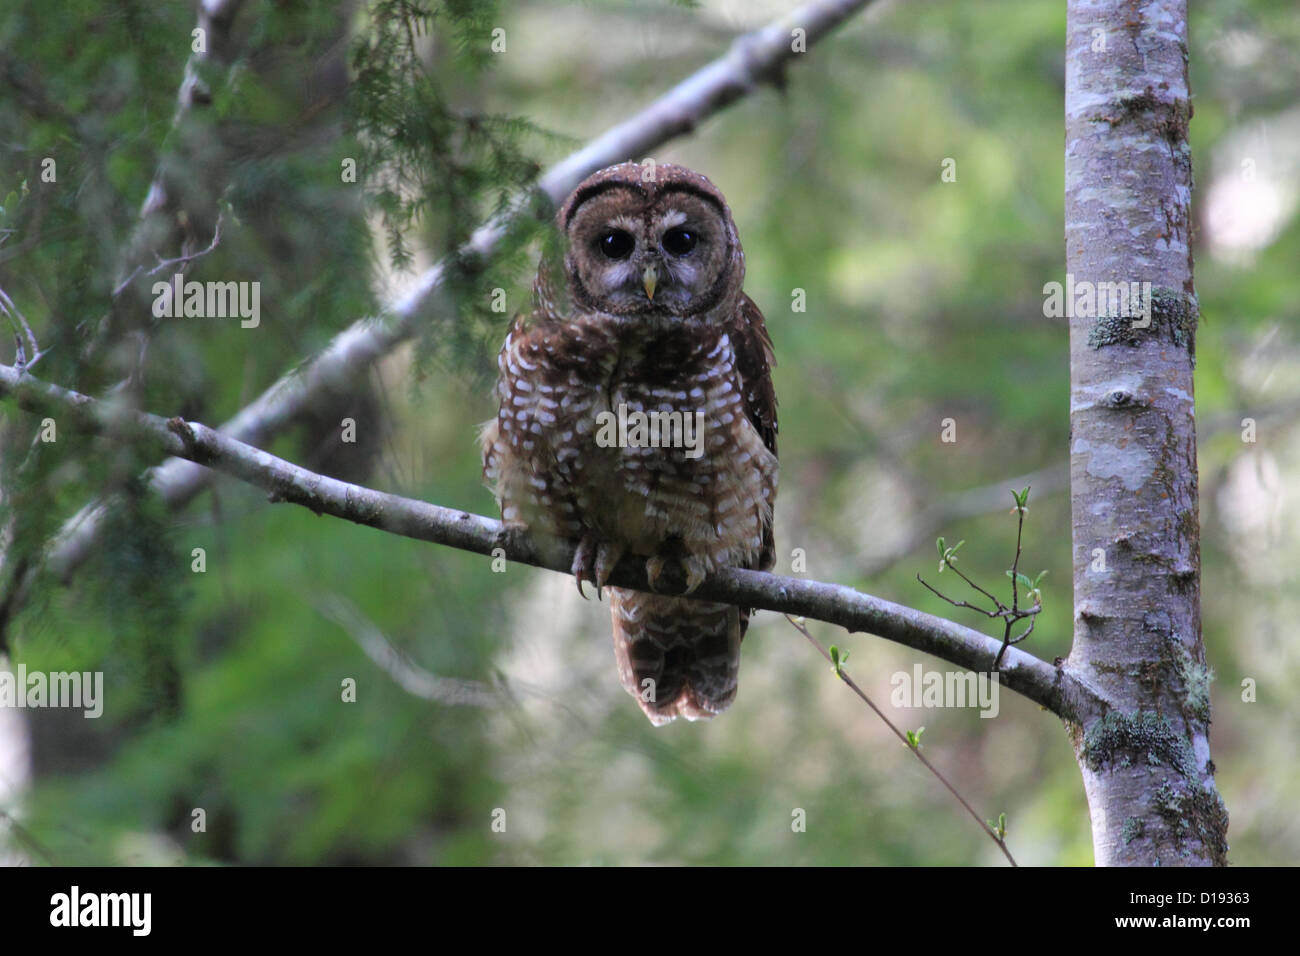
pixel 923 302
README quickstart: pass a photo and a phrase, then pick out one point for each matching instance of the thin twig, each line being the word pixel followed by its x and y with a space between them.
pixel 1015 565
pixel 166 263
pixel 955 603
pixel 1001 608
pixel 21 328
pixel 187 259
pixel 1007 640
pixel 916 750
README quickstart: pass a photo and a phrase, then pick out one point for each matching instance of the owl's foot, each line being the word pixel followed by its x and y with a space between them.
pixel 607 555
pixel 696 569
pixel 594 561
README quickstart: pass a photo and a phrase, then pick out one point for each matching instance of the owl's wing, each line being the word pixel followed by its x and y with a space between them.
pixel 754 361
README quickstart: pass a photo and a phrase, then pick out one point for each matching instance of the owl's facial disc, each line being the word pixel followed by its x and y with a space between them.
pixel 666 258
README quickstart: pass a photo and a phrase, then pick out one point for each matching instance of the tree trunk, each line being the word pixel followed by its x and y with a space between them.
pixel 1137 624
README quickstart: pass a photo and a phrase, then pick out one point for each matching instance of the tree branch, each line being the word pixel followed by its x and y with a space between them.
pixel 155 227
pixel 753 59
pixel 400 669
pixel 158 211
pixel 1041 682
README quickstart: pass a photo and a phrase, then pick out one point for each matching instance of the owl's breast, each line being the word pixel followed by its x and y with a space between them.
pixel 638 438
pixel 689 464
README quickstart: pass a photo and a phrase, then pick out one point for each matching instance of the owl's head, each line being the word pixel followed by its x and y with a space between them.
pixel 651 240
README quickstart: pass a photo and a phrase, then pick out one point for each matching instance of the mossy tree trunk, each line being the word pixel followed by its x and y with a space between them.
pixel 1137 627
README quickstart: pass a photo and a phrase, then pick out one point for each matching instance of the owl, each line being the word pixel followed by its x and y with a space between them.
pixel 637 416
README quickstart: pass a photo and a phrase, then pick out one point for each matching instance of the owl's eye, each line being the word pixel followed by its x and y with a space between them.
pixel 616 244
pixel 679 241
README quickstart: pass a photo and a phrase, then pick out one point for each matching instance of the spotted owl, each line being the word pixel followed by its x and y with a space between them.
pixel 637 416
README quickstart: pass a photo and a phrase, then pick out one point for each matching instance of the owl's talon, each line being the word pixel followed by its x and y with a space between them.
pixel 696 572
pixel 593 561
pixel 607 556
pixel 654 567
pixel 582 559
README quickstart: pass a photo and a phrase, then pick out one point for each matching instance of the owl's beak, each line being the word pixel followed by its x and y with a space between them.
pixel 651 278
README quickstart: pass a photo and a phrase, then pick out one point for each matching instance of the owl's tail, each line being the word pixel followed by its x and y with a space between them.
pixel 678 658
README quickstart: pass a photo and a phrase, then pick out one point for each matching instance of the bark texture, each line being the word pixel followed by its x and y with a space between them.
pixel 1136 530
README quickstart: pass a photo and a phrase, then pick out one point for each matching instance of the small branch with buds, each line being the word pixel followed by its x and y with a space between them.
pixel 1009 615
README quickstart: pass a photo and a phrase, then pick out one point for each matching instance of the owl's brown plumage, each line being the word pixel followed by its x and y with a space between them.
pixel 649 317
